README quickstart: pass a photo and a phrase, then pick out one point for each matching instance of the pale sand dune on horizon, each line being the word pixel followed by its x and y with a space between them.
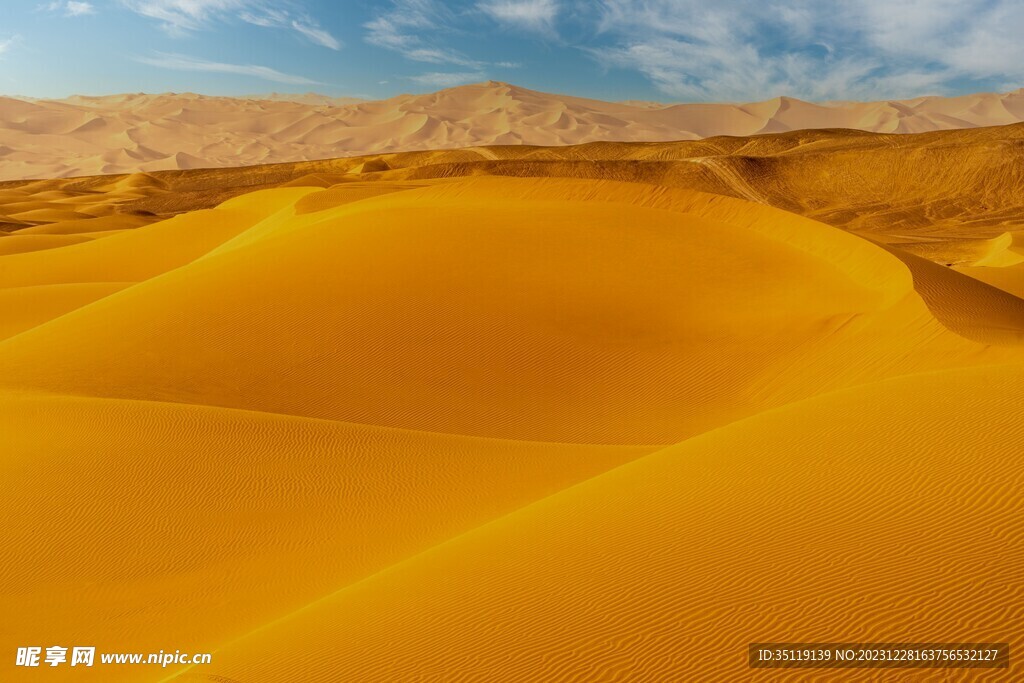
pixel 139 132
pixel 410 418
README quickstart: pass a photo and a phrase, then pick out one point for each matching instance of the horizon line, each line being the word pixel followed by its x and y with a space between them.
pixel 491 83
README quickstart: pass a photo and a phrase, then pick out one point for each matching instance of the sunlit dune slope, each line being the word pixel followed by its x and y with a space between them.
pixel 181 526
pixel 29 306
pixel 970 306
pixel 139 132
pixel 886 513
pixel 136 255
pixel 451 308
pixel 591 413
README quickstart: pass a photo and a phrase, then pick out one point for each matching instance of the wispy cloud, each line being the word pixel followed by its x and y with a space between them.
pixel 185 63
pixel 77 9
pixel 422 31
pixel 275 17
pixel 975 38
pixel 533 15
pixel 179 17
pixel 267 17
pixel 735 50
pixel 403 25
pixel 6 44
pixel 447 80
pixel 316 34
pixel 70 8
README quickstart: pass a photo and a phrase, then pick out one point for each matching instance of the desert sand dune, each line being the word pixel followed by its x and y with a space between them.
pixel 27 307
pixel 128 133
pixel 210 549
pixel 662 568
pixel 406 285
pixel 1010 279
pixel 17 244
pixel 1000 265
pixel 967 305
pixel 511 413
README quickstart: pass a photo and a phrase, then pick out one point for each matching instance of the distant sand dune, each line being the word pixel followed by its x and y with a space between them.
pixel 128 133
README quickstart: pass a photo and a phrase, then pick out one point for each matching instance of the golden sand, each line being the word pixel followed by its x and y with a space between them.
pixel 497 414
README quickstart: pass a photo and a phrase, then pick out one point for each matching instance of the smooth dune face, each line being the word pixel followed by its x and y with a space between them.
pixel 133 133
pixel 599 312
pixel 499 415
pixel 799 523
pixel 207 550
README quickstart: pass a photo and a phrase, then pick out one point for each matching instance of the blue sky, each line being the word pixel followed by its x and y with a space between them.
pixel 667 50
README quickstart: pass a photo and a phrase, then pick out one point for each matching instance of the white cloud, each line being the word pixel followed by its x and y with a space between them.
pixel 77 9
pixel 992 44
pixel 317 35
pixel 858 49
pixel 388 33
pixel 70 8
pixel 908 26
pixel 179 17
pixel 185 63
pixel 422 31
pixel 433 55
pixel 403 27
pixel 534 15
pixel 265 17
pixel 738 72
pixel 399 27
pixel 6 44
pixel 182 16
pixel 447 80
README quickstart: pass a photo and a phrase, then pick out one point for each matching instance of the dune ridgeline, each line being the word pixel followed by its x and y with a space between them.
pixel 137 132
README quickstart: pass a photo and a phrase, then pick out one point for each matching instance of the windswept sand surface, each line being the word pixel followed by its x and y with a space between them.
pixel 137 132
pixel 498 415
